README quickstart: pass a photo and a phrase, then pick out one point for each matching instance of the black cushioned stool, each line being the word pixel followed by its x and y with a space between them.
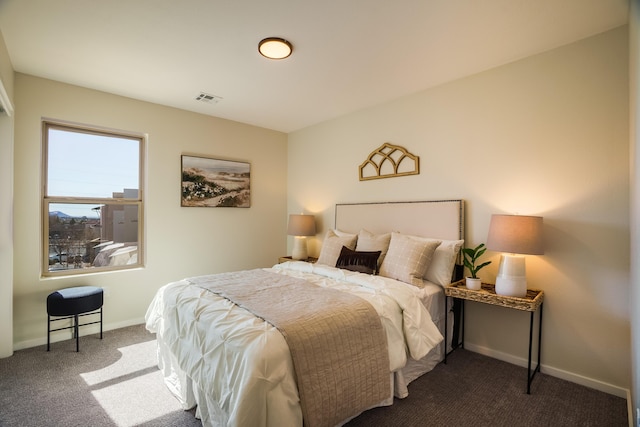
pixel 72 303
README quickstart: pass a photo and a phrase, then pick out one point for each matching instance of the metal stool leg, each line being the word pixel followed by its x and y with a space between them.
pixel 75 329
pixel 100 322
pixel 48 331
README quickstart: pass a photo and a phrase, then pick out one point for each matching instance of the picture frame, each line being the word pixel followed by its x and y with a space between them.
pixel 211 182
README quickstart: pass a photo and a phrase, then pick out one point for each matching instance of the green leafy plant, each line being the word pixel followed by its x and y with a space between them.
pixel 471 256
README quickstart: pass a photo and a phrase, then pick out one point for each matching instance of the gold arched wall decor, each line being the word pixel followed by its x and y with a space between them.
pixel 388 161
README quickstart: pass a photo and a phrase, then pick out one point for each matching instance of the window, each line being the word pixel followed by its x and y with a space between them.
pixel 92 199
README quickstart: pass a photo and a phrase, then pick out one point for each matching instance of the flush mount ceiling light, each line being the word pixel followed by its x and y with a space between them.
pixel 274 48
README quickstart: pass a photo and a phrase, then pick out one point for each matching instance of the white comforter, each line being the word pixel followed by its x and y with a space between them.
pixel 237 368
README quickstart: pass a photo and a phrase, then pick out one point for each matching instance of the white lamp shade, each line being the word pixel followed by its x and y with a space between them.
pixel 301 225
pixel 515 234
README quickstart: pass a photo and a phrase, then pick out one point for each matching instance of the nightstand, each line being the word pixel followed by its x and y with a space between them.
pixel 288 258
pixel 487 295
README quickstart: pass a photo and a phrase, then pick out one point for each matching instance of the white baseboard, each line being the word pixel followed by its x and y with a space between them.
pixel 550 370
pixel 65 335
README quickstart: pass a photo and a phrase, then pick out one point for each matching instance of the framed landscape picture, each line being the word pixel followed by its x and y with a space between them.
pixel 210 182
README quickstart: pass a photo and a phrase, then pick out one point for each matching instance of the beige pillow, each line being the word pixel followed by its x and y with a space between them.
pixel 440 271
pixel 369 242
pixel 332 245
pixel 341 233
pixel 408 258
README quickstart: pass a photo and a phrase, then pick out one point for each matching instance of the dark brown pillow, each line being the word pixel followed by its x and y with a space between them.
pixel 363 262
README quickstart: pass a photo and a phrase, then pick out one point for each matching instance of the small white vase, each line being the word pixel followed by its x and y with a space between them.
pixel 473 284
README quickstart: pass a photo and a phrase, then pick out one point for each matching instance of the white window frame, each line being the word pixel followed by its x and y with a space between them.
pixel 46 199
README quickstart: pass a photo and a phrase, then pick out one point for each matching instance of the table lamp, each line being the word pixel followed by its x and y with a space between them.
pixel 516 235
pixel 300 226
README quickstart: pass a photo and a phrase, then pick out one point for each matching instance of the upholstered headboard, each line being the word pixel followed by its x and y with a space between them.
pixel 440 219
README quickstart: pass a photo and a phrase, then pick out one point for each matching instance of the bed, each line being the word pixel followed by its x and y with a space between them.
pixel 303 364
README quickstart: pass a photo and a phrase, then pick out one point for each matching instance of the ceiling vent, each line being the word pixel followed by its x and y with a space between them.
pixel 208 98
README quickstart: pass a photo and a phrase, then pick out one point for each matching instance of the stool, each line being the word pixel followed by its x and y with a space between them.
pixel 72 303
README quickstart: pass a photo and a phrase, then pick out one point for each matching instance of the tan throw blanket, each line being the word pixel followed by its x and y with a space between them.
pixel 337 342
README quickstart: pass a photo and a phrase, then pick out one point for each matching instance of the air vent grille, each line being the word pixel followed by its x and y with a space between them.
pixel 208 98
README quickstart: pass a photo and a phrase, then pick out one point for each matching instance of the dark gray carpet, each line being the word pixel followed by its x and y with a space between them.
pixel 110 382
pixel 475 390
pixel 114 382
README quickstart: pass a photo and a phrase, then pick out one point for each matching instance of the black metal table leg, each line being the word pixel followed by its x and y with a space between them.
pixel 462 321
pixel 537 368
pixel 456 341
pixel 540 335
pixel 529 362
pixel 446 327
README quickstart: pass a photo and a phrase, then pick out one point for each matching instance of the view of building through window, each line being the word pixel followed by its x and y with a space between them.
pixel 92 201
pixel 82 242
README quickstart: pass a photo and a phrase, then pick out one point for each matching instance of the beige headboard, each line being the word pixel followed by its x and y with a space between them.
pixel 440 219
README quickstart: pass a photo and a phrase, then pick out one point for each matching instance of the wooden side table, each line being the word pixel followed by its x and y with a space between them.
pixel 288 258
pixel 487 295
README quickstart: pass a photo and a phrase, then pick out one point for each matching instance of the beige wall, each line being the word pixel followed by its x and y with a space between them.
pixel 547 135
pixel 180 242
pixel 634 300
pixel 6 206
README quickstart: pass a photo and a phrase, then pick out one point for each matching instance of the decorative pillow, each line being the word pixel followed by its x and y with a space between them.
pixel 368 241
pixel 364 262
pixel 332 245
pixel 341 233
pixel 440 271
pixel 408 258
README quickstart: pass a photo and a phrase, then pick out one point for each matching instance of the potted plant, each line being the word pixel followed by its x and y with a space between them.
pixel 471 256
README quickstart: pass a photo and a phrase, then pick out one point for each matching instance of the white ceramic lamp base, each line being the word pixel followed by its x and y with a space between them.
pixel 512 280
pixel 299 248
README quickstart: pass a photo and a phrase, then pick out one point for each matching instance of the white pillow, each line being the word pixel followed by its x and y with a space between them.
pixel 369 242
pixel 332 245
pixel 440 271
pixel 341 233
pixel 408 258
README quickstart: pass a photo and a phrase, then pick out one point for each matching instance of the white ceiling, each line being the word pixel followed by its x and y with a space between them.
pixel 348 54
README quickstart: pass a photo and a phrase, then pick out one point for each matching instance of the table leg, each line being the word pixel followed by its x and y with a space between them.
pixel 446 327
pixel 537 368
pixel 529 362
pixel 462 321
pixel 456 341
pixel 539 336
